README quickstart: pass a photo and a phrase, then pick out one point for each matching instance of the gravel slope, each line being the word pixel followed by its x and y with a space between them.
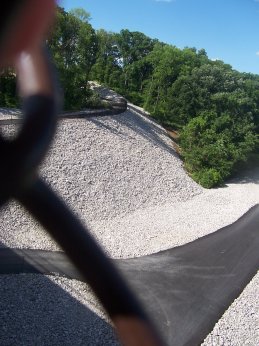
pixel 110 167
pixel 123 177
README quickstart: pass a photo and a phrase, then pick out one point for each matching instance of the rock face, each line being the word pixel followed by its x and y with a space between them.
pixel 116 101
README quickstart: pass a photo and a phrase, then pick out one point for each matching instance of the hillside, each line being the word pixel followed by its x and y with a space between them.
pixel 122 176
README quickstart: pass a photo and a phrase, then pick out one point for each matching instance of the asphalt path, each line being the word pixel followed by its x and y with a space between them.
pixel 185 289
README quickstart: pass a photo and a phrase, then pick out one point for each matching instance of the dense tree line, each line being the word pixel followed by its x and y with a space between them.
pixel 73 46
pixel 8 96
pixel 214 108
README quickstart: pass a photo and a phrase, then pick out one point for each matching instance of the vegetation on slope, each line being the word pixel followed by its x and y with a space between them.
pixel 214 108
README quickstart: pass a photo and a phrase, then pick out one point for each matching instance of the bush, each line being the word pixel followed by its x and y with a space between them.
pixel 136 98
pixel 8 96
pixel 208 178
pixel 94 101
pixel 214 143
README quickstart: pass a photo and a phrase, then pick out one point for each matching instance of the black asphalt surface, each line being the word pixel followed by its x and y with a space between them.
pixel 185 289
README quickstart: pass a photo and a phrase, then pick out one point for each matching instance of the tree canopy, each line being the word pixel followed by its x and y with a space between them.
pixel 73 45
pixel 214 108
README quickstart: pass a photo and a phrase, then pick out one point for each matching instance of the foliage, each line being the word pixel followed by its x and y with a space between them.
pixel 73 46
pixel 215 108
pixel 213 143
pixel 106 69
pixel 8 96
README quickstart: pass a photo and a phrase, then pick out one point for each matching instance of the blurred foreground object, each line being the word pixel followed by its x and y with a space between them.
pixel 23 31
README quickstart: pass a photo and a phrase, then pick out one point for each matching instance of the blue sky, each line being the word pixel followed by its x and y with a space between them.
pixel 227 29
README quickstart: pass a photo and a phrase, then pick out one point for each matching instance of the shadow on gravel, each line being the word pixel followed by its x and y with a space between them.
pixel 36 311
pixel 149 131
pixel 247 176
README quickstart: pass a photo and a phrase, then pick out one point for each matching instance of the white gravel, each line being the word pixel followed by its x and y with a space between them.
pixel 239 325
pixel 105 168
pixel 36 310
pixel 123 177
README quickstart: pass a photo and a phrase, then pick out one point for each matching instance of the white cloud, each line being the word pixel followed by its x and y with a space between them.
pixel 257 53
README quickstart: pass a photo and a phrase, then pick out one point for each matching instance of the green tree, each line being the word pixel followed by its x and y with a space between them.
pixel 213 143
pixel 81 14
pixel 193 92
pixel 8 97
pixel 133 46
pixel 107 67
pixel 73 45
pixel 169 63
